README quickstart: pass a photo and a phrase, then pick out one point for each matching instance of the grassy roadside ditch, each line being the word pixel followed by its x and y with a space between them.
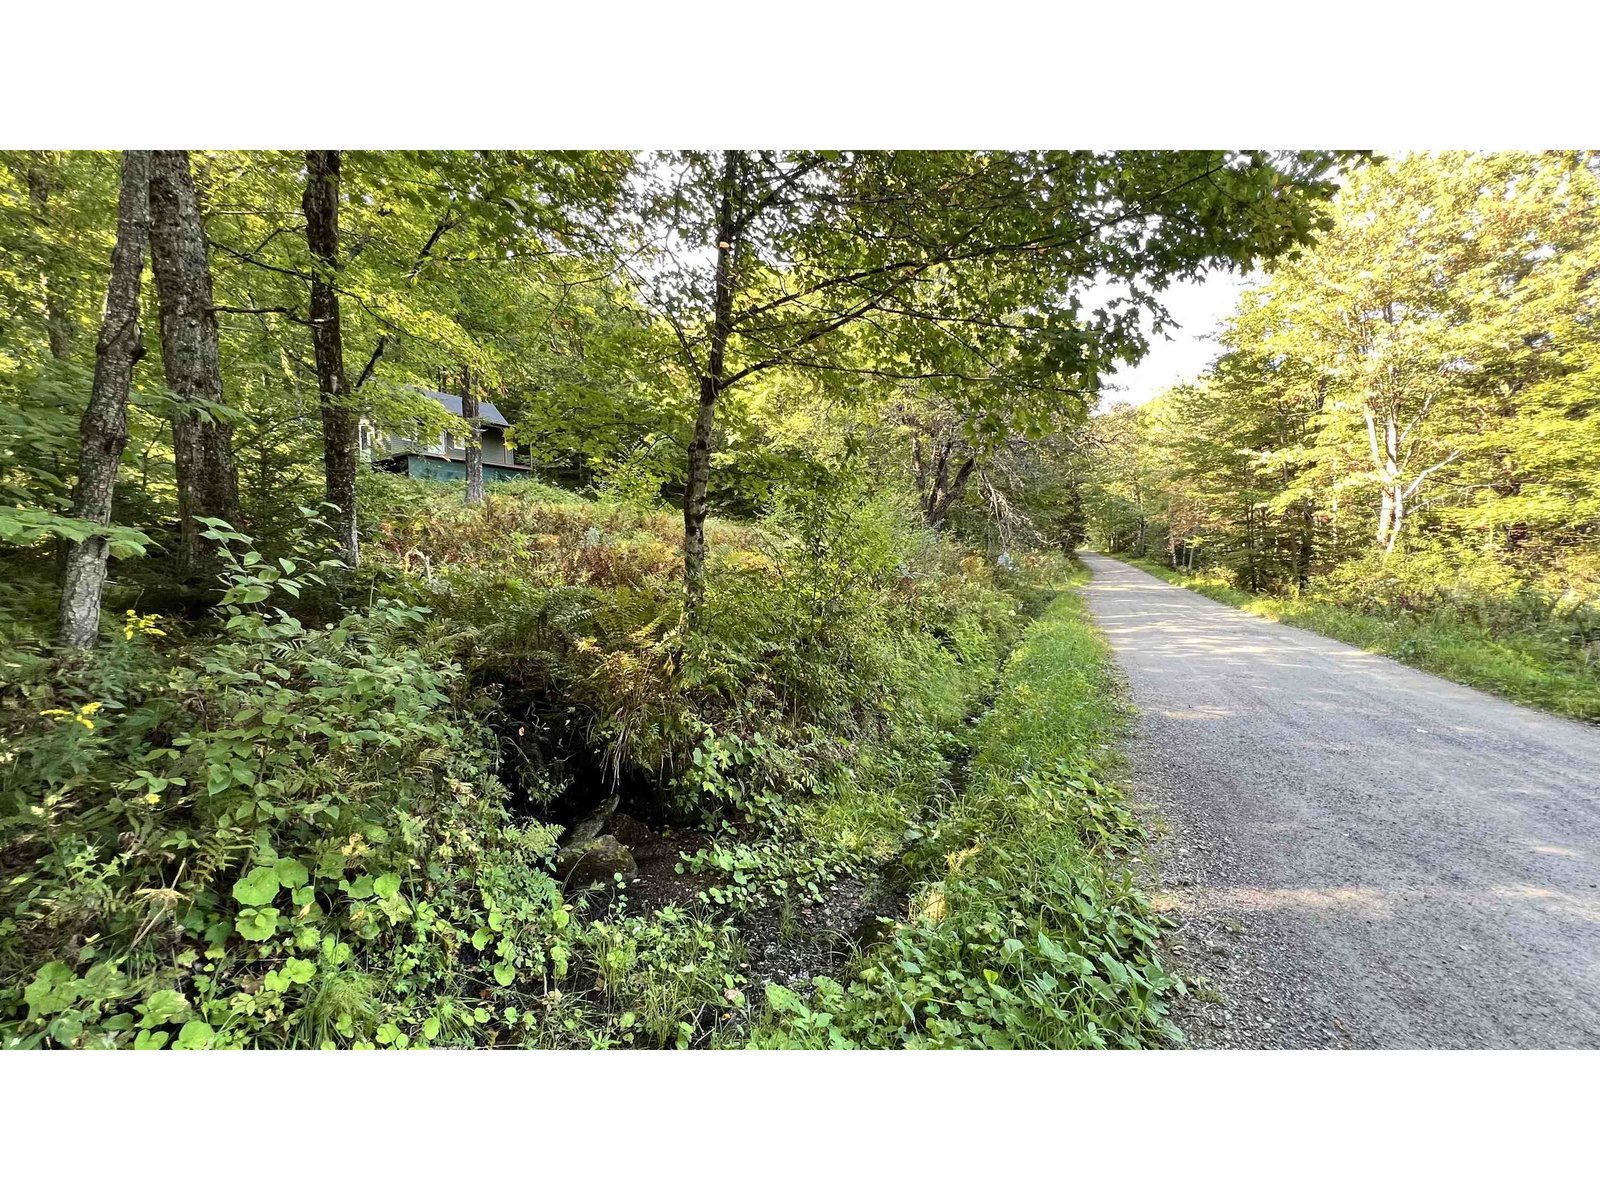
pixel 1023 931
pixel 1519 667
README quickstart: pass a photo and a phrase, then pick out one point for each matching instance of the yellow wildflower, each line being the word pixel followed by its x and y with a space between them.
pixel 81 716
pixel 148 625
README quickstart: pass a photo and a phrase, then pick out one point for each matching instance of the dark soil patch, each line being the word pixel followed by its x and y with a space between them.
pixel 657 854
pixel 791 940
pixel 794 940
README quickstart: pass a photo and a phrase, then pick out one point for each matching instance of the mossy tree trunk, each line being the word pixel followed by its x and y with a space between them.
pixel 711 385
pixel 103 432
pixel 208 480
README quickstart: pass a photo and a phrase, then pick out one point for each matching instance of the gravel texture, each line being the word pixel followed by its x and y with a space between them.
pixel 1356 853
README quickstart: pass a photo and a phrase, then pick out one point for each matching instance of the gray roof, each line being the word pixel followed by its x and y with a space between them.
pixel 488 414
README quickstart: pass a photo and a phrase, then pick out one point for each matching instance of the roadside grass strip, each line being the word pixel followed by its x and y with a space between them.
pixel 1024 928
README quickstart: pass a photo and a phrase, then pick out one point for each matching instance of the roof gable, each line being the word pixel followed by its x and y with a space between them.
pixel 488 414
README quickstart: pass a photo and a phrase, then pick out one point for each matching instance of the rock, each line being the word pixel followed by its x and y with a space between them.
pixel 588 829
pixel 596 860
pixel 630 832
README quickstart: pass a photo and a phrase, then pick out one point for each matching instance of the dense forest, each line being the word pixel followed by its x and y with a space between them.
pixel 1400 443
pixel 744 697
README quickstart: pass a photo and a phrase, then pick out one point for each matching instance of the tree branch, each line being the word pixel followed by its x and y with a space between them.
pixel 372 363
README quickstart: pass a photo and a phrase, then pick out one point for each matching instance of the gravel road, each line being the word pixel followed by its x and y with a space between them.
pixel 1357 853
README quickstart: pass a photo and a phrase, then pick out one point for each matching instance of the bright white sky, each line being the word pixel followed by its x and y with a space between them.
pixel 1199 308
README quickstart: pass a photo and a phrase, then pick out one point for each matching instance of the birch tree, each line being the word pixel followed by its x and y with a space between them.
pixel 1424 379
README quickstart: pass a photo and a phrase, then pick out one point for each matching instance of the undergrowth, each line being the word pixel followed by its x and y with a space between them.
pixel 326 814
pixel 1022 931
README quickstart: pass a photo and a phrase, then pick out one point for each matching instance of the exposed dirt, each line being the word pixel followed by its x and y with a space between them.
pixel 794 941
pixel 790 941
pixel 657 854
pixel 1359 854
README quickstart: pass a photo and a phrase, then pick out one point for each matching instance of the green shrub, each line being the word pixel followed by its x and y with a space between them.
pixel 818 624
pixel 281 836
pixel 671 979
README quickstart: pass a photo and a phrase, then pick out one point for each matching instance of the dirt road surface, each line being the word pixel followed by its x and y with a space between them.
pixel 1357 853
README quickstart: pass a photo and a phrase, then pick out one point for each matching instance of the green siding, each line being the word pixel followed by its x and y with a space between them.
pixel 420 467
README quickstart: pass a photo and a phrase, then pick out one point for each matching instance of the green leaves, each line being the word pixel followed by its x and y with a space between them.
pixel 54 988
pixel 258 887
pixel 1049 949
pixel 246 593
pixel 23 526
pixel 292 873
pixel 294 971
pixel 257 924
pixel 163 1008
pixel 196 1035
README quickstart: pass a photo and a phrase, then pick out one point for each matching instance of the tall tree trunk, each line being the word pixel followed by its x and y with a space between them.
pixel 1397 520
pixel 694 500
pixel 1385 515
pixel 57 325
pixel 208 480
pixel 1308 529
pixel 1391 474
pixel 1250 545
pixel 474 448
pixel 341 452
pixel 104 430
pixel 1386 462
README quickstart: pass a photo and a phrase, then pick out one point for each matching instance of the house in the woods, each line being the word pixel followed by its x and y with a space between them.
pixel 445 458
